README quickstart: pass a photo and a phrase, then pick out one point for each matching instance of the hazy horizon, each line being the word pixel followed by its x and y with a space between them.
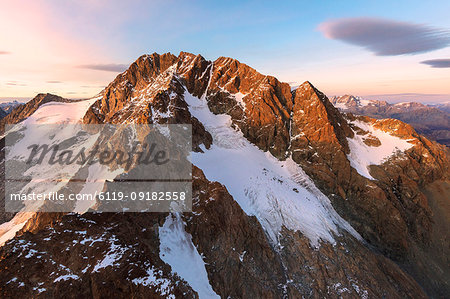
pixel 390 98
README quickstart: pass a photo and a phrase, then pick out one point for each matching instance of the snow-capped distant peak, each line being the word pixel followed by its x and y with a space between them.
pixel 349 101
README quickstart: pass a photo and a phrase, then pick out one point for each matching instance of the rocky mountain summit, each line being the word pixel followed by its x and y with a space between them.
pixel 291 198
pixel 433 121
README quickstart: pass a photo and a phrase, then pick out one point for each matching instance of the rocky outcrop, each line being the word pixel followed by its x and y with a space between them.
pixel 319 138
pixel 328 127
pixel 7 107
pixel 263 111
pixel 148 92
pixel 119 93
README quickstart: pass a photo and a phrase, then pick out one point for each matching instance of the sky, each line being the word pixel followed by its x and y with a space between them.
pixel 390 50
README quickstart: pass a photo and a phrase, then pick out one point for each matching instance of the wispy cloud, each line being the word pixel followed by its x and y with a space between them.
pixel 437 63
pixel 54 82
pixel 15 83
pixel 4 52
pixel 111 67
pixel 386 37
pixel 409 97
pixel 92 86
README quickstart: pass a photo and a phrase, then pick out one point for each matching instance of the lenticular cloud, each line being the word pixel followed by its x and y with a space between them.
pixel 386 37
pixel 437 63
pixel 111 67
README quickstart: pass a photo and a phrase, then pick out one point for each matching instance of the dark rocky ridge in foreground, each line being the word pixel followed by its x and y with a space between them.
pixel 239 260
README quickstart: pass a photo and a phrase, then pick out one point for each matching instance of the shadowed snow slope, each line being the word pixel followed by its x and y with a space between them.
pixel 179 252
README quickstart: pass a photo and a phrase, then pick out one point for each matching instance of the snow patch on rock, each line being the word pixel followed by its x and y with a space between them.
pixel 362 155
pixel 162 284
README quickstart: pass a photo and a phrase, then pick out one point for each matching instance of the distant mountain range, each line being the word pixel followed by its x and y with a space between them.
pixel 441 106
pixel 7 107
pixel 431 120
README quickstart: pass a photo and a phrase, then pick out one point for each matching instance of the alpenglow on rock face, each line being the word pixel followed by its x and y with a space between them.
pixel 291 198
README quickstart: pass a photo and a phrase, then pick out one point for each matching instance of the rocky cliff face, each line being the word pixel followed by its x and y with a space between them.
pixel 249 238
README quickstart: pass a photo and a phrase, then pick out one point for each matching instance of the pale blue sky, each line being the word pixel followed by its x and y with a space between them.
pixel 50 46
